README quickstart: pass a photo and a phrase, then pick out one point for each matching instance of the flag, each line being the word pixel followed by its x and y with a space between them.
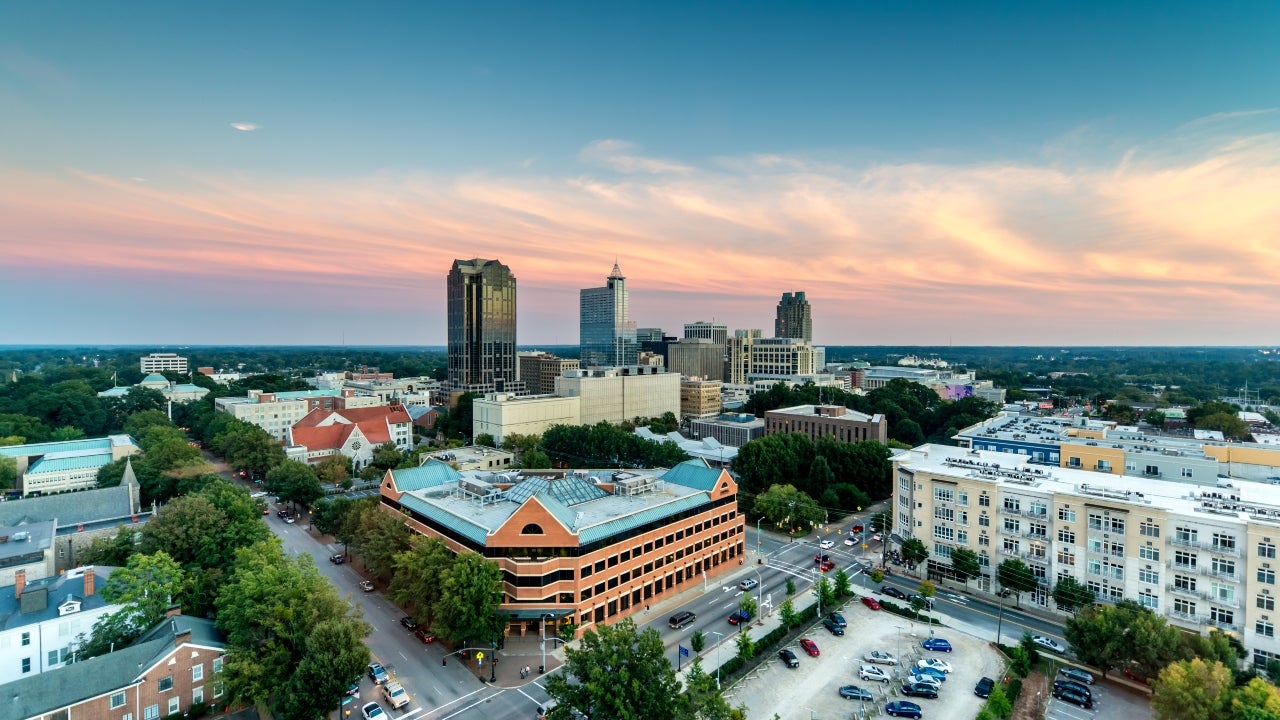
pixel 684 651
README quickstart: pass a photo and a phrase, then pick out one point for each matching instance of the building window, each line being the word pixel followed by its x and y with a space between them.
pixel 197 695
pixel 1267 575
pixel 1011 525
pixel 962 537
pixel 1149 529
pixel 1066 536
pixel 1104 465
pixel 1066 515
pixel 174 705
pixel 1148 576
pixel 941 532
pixel 964 518
pixel 1012 504
pixel 1184 558
pixel 1224 543
pixel 1185 535
pixel 26 665
pixel 1074 462
pixel 1266 602
pixel 117 700
pixel 1224 567
pixel 941 550
pixel 217 665
pixel 151 713
pixel 1186 607
pixel 197 672
pixel 1184 582
pixel 1146 552
pixel 1266 550
pixel 1186 472
pixel 1147 600
pixel 1037 508
pixel 1095 521
pixel 983 541
pixel 26 638
pixel 946 514
pixel 1039 530
pixel 1117 525
pixel 219 687
pixel 984 500
pixel 984 521
pixel 52 659
pixel 1066 557
pixel 165 684
pixel 1010 546
pixel 943 493
pixel 1264 628
pixel 962 498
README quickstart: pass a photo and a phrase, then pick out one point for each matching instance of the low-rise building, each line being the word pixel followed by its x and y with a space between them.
pixel 28 549
pixel 174 665
pixel 503 414
pixel 472 458
pixel 731 429
pixel 834 421
pixel 616 394
pixel 172 391
pixel 352 432
pixel 41 620
pixel 277 412
pixel 52 467
pixel 707 449
pixel 583 546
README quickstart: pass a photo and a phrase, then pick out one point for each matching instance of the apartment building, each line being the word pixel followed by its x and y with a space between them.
pixel 539 370
pixel 42 620
pixel 277 412
pixel 835 421
pixel 1201 556
pixel 583 546
pixel 699 398
pixel 163 362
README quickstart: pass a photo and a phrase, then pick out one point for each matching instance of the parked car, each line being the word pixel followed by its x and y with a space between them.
pixel 936 664
pixel 929 679
pixel 893 592
pixel 838 619
pixel 832 626
pixel 377 673
pixel 408 623
pixel 395 695
pixel 826 544
pixel 853 692
pixel 425 635
pixel 748 584
pixel 902 708
pixel 1049 643
pixel 1080 676
pixel 870 602
pixel 931 671
pixel 920 689
pixel 373 711
pixel 1073 697
pixel 739 616
pixel 936 644
pixel 878 656
pixel 366 585
pixel 353 690
pixel 337 559
pixel 873 672
pixel 810 647
pixel 851 541
pixel 290 519
pixel 1074 686
pixel 789 658
pixel 983 688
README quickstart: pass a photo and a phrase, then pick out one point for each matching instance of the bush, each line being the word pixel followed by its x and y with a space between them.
pixel 1015 689
pixel 907 612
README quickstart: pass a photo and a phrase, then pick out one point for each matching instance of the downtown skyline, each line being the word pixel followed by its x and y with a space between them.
pixel 1000 174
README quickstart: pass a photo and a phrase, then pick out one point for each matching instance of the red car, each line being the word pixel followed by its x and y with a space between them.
pixel 855 529
pixel 810 647
pixel 871 602
pixel 426 636
pixel 828 565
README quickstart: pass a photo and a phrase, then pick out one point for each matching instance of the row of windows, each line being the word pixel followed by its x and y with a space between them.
pixel 656 587
pixel 655 565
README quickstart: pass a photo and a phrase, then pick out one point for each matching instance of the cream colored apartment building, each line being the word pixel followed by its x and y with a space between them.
pixel 624 393
pixel 1202 556
pixel 699 398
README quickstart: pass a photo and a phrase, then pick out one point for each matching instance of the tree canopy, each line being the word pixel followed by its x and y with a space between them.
pixel 617 672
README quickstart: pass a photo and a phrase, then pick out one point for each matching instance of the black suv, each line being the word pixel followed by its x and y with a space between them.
pixel 408 623
pixel 832 626
pixel 893 592
pixel 789 658
pixel 1071 696
pixel 920 690
pixel 983 688
pixel 1073 686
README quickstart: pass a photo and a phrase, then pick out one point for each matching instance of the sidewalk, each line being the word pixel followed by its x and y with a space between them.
pixel 517 652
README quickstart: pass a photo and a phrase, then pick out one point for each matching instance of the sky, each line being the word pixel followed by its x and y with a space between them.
pixel 992 173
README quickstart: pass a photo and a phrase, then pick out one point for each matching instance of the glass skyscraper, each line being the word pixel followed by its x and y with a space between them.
pixel 606 334
pixel 482 327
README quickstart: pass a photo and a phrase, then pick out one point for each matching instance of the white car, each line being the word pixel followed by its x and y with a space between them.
pixel 849 541
pixel 373 711
pixel 873 672
pixel 1049 644
pixel 827 544
pixel 936 664
pixel 884 658
pixel 927 680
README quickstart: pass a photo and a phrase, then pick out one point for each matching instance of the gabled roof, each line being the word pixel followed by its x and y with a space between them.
pixel 562 512
pixel 457 523
pixel 325 437
pixel 70 509
pixel 45 692
pixel 58 588
pixel 695 474
pixel 432 473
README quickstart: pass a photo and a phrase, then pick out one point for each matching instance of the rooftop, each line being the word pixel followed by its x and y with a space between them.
pixel 20 540
pixel 58 587
pixel 69 509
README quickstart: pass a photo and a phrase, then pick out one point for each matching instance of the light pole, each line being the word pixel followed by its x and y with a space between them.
pixel 758 521
pixel 718 643
pixel 1000 619
pixel 817 588
pixel 542 636
pixel 759 592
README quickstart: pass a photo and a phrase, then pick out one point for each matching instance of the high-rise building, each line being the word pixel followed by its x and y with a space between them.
pixel 717 333
pixel 644 335
pixel 607 334
pixel 696 357
pixel 539 370
pixel 794 318
pixel 738 355
pixel 482 327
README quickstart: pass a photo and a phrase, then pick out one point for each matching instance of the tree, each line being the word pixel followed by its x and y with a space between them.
pixel 914 551
pixel 786 507
pixel 876 575
pixel 1256 700
pixel 378 535
pixel 747 605
pixel 702 699
pixel 697 641
pixel 788 615
pixel 470 594
pixel 1071 594
pixel 616 672
pixel 139 422
pixel 791 586
pixel 966 564
pixel 419 574
pixel 335 657
pixel 535 459
pixel 746 646
pixel 998 703
pixel 1229 425
pixel 826 593
pixel 334 471
pixel 1154 418
pixel 1192 690
pixel 294 482
pixel 1029 647
pixel 8 473
pixel 1019 661
pixel 386 457
pixel 486 440
pixel 843 588
pixel 146 587
pixel 1124 635
pixel 113 551
pixel 1014 576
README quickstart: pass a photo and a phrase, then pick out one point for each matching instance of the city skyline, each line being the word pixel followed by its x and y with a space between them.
pixel 932 174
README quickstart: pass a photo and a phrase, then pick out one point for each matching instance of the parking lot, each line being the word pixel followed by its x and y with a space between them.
pixel 1110 702
pixel 811 691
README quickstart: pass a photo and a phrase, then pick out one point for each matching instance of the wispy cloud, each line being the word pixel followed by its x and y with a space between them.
pixel 244 126
pixel 1164 243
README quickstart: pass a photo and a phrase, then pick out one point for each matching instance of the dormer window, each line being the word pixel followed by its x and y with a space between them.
pixel 69 606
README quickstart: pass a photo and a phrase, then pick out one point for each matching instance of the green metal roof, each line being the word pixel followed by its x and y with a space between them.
pixel 457 523
pixel 432 473
pixel 613 527
pixel 568 490
pixel 75 462
pixel 67 446
pixel 562 512
pixel 693 473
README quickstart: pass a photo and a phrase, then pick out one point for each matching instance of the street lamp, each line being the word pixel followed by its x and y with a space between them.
pixel 900 658
pixel 758 521
pixel 542 633
pixel 718 643
pixel 759 592
pixel 817 588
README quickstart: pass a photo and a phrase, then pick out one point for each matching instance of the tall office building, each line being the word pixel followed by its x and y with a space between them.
pixel 482 327
pixel 606 334
pixel 794 318
pixel 717 333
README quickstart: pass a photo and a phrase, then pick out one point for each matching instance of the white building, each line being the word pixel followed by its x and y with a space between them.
pixel 42 620
pixel 172 391
pixel 505 414
pixel 51 467
pixel 617 394
pixel 277 412
pixel 782 359
pixel 163 362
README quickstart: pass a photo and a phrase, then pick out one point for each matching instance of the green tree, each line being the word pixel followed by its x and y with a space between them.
pixel 294 482
pixel 8 473
pixel 880 522
pixel 747 604
pixel 787 613
pixel 535 459
pixel 1071 594
pixel 387 457
pixel 334 471
pixel 998 703
pixel 1155 418
pixel 113 551
pixel 1014 576
pixel 786 507
pixel 840 581
pixel 746 646
pixel 138 423
pixel 418 576
pixel 67 433
pixel 616 672
pixel 486 440
pixel 914 551
pixel 966 564
pixel 826 593
pixel 146 587
pixel 1229 425
pixel 378 535
pixel 876 575
pixel 1256 700
pixel 1029 647
pixel 1192 690
pixel 1019 661
pixel 470 594
pixel 1123 635
pixel 791 586
pixel 702 699
pixel 697 641
pixel 335 656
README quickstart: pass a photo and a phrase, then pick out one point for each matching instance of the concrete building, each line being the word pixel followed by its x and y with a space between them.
pixel 717 333
pixel 503 414
pixel 607 334
pixel 834 421
pixel 163 362
pixel 794 318
pixel 617 394
pixel 539 370
pixel 277 412
pixel 482 327
pixel 737 362
pixel 730 429
pixel 222 378
pixel 392 391
pixel 52 467
pixel 472 458
pixel 707 449
pixel 782 359
pixel 173 392
pixel 583 546
pixel 174 665
pixel 1203 557
pixel 699 398
pixel 696 357
pixel 41 620
pixel 352 432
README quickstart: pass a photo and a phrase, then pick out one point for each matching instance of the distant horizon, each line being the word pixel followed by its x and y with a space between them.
pixel 538 346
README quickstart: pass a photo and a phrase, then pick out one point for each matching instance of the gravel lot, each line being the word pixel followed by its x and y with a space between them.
pixel 811 691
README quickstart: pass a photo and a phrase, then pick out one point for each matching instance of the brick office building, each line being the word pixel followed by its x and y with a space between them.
pixel 834 421
pixel 580 546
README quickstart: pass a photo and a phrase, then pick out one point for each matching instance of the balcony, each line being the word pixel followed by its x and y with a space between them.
pixel 1009 511
pixel 1183 542
pixel 1232 577
pixel 1188 568
pixel 1187 592
pixel 1225 550
pixel 1042 537
pixel 1188 617
pixel 1036 514
pixel 1223 625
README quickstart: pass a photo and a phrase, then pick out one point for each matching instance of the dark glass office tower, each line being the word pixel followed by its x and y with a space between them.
pixel 794 318
pixel 607 335
pixel 482 327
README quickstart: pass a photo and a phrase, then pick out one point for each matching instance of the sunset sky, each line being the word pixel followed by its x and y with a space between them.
pixel 988 173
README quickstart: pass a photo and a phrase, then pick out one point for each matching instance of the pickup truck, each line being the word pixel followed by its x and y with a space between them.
pixel 395 694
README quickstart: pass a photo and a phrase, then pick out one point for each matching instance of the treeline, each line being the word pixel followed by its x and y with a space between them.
pixel 838 475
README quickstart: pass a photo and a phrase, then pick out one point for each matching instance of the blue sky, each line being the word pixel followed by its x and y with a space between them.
pixel 788 145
